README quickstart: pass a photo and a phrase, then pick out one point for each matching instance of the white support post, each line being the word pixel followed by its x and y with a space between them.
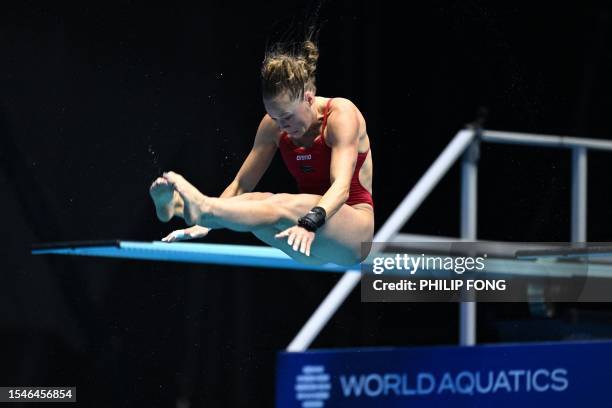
pixel 579 194
pixel 468 219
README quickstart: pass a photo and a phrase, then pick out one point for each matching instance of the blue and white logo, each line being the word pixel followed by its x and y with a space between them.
pixel 312 386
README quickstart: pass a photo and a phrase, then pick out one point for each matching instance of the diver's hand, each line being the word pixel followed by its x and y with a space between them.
pixel 185 234
pixel 299 238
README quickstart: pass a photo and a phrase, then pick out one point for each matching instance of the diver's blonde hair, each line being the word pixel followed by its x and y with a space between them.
pixel 290 72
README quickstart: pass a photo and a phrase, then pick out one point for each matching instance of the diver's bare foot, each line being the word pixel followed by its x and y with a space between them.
pixel 194 202
pixel 162 193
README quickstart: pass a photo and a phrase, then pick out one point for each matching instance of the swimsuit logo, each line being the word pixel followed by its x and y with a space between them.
pixel 306 169
pixel 312 386
pixel 303 157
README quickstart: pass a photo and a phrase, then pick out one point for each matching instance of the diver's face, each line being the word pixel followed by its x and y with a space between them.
pixel 292 116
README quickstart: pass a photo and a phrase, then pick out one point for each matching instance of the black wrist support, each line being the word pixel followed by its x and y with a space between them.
pixel 313 220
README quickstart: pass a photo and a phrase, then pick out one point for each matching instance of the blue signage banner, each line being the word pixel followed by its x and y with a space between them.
pixel 506 375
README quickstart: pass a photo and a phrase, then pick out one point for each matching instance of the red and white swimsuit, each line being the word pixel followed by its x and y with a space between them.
pixel 309 166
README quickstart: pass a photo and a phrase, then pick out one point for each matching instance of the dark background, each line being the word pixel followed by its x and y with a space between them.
pixel 96 100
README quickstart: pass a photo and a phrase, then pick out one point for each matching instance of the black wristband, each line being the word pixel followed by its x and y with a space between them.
pixel 313 220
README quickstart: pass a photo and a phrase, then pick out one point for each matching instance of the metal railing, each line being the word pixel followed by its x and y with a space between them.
pixel 466 144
